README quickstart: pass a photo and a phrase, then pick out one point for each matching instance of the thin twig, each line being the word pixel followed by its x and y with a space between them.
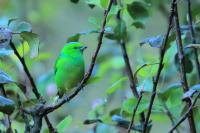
pixel 192 31
pixel 121 123
pixel 141 67
pixel 22 61
pixel 133 115
pixel 188 112
pixel 89 72
pixel 8 117
pixel 182 65
pixel 160 67
pixel 129 71
pixel 34 88
pixel 24 116
pixel 169 114
pixel 131 78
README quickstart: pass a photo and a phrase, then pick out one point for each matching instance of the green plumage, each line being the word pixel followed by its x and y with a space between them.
pixel 69 67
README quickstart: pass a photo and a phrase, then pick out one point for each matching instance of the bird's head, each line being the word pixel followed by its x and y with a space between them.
pixel 74 47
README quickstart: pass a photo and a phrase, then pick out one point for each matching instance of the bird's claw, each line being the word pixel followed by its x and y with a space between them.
pixel 66 98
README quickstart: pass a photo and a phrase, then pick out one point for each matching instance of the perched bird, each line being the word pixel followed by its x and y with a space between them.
pixel 69 67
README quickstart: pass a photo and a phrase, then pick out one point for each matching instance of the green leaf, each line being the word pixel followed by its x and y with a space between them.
pixel 116 85
pixel 189 94
pixel 165 93
pixel 65 123
pixel 155 42
pixel 130 103
pixel 96 22
pixel 94 79
pixel 91 6
pixel 121 122
pixel 74 38
pixel 171 38
pixel 195 10
pixel 120 32
pixel 94 2
pixel 138 10
pixel 74 1
pixel 172 97
pixel 138 25
pixel 18 117
pixel 191 91
pixel 33 42
pixel 91 121
pixel 43 56
pixel 30 102
pixel 4 78
pixel 107 119
pixel 18 26
pixel 100 3
pixel 23 48
pixel 146 85
pixel 114 10
pixel 115 111
pixel 104 3
pixel 196 87
pixel 7 106
pixel 188 63
pixel 12 20
pixel 98 108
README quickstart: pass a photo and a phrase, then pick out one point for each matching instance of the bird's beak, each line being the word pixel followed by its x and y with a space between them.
pixel 82 48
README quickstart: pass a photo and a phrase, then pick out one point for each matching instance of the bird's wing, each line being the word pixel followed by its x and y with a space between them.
pixel 58 61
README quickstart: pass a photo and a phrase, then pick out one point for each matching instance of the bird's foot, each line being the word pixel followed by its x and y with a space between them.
pixel 66 98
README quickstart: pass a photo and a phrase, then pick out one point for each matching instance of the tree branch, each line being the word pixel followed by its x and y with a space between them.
pixel 160 67
pixel 141 67
pixel 129 70
pixel 182 65
pixel 8 117
pixel 22 61
pixel 134 111
pixel 169 114
pixel 192 31
pixel 24 116
pixel 34 88
pixel 121 124
pixel 187 114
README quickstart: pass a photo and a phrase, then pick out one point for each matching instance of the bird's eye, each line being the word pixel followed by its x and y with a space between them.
pixel 76 47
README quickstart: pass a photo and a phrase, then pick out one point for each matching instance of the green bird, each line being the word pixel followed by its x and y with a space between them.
pixel 69 67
